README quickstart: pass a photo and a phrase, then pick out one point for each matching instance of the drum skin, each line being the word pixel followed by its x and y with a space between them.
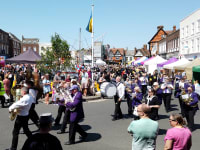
pixel 108 89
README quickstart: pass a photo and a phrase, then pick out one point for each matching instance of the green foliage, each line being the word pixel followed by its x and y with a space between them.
pixel 58 57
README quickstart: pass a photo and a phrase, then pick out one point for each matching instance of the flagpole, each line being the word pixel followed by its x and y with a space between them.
pixel 92 38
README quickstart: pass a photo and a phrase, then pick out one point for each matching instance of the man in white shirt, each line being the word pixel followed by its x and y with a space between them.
pixel 32 113
pixel 167 88
pixel 23 106
pixel 118 98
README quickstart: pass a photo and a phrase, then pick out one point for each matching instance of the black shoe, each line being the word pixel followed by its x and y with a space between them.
pixel 69 143
pixel 114 119
pixel 56 124
pixel 60 132
pixel 120 117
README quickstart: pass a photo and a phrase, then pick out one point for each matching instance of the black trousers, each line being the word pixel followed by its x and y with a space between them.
pixel 2 98
pixel 73 128
pixel 189 114
pixel 117 112
pixel 144 89
pixel 33 115
pixel 167 100
pixel 129 103
pixel 66 119
pixel 61 109
pixel 181 107
pixel 20 122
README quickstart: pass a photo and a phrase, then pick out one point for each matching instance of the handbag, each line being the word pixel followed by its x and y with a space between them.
pixel 135 113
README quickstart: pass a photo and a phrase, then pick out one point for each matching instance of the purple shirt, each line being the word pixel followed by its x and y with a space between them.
pixel 180 136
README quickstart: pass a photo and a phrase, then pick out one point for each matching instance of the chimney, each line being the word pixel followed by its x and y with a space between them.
pixel 174 28
pixel 160 27
pixel 145 47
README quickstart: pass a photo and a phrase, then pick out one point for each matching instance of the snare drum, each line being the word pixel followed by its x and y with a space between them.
pixel 108 89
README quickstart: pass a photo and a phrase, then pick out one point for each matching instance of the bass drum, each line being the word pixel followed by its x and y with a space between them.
pixel 108 89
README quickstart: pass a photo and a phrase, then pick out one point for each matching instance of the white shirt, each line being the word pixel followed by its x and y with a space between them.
pixel 143 80
pixel 167 87
pixel 120 90
pixel 33 93
pixel 24 105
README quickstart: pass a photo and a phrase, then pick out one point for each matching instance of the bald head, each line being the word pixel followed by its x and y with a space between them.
pixel 118 79
pixel 143 110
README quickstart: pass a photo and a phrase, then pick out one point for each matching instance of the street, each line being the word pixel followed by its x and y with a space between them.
pixel 103 134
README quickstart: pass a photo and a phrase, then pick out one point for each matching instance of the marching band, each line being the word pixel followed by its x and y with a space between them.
pixel 138 88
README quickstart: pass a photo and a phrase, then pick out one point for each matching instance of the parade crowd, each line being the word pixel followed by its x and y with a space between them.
pixel 143 92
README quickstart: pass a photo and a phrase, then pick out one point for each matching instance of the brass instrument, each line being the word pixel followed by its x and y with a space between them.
pixel 129 90
pixel 13 114
pixel 188 100
pixel 67 97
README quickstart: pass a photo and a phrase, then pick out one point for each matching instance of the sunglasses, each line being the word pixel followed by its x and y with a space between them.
pixel 172 120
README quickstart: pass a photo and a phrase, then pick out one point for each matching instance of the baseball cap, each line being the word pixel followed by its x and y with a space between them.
pixel 74 87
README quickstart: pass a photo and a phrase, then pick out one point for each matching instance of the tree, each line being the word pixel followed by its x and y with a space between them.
pixel 58 57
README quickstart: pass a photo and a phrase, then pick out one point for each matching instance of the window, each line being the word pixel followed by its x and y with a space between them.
pixel 198 25
pixel 183 50
pixel 192 46
pixel 117 58
pixel 192 29
pixel 186 31
pixel 198 40
pixel 131 59
pixel 34 48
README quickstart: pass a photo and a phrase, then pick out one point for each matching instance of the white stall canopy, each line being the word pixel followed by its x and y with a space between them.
pixel 177 63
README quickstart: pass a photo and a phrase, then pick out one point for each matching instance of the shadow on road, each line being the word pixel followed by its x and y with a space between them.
pixel 163 117
pixel 173 105
pixel 162 131
pixel 196 126
pixel 86 127
pixel 91 137
pixel 174 109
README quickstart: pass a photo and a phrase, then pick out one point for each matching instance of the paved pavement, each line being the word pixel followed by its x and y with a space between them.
pixel 104 134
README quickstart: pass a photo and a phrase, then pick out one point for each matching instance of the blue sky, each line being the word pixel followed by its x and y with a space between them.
pixel 123 23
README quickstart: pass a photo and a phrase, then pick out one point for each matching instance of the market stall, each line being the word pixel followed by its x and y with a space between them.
pixel 140 60
pixel 151 65
pixel 177 63
pixel 29 57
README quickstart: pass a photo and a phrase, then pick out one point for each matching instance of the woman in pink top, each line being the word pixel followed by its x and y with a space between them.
pixel 178 137
pixel 6 83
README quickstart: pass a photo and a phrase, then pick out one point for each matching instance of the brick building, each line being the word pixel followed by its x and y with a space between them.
pixel 4 44
pixel 154 42
pixel 30 43
pixel 116 55
pixel 173 45
pixel 141 52
pixel 15 45
pixel 169 45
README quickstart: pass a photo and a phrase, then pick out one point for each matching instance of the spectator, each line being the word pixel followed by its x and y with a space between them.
pixel 43 140
pixel 143 138
pixel 178 137
pixel 46 88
